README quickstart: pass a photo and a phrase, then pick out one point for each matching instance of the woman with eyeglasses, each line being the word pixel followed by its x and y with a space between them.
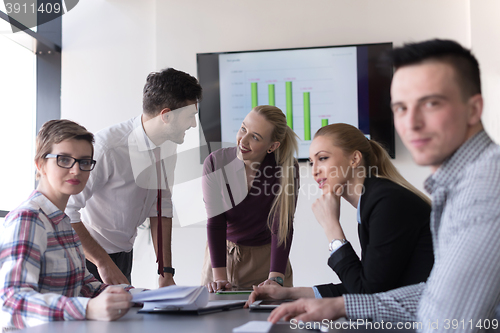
pixel 42 265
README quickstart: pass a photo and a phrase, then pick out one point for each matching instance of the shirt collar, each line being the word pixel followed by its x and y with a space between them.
pixel 54 214
pixel 359 209
pixel 140 136
pixel 465 154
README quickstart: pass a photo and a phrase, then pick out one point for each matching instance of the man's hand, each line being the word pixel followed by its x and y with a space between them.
pixel 272 292
pixel 268 292
pixel 111 304
pixel 166 280
pixel 306 309
pixel 111 274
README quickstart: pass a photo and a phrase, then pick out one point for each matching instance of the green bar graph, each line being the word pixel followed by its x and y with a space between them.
pixel 255 99
pixel 324 122
pixel 272 100
pixel 307 116
pixel 289 104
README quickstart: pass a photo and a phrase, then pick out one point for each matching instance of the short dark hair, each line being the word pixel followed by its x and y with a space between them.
pixel 450 52
pixel 169 88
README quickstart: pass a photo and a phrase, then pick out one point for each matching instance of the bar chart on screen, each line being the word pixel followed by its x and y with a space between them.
pixel 312 94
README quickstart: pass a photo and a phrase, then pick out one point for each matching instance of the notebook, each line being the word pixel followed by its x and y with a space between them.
pixel 182 299
pixel 211 307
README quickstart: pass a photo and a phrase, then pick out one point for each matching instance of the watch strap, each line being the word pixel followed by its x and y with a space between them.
pixel 277 279
pixel 170 270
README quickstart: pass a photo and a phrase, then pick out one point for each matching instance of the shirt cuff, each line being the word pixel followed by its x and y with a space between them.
pixel 74 215
pixel 76 308
pixel 335 250
pixel 317 293
pixel 360 306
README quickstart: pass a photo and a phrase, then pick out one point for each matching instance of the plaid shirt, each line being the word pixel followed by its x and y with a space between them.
pixel 42 267
pixel 465 223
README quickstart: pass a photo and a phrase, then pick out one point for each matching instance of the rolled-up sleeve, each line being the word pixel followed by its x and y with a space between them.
pixel 24 241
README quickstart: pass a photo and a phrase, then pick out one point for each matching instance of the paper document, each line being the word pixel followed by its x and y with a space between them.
pixel 173 297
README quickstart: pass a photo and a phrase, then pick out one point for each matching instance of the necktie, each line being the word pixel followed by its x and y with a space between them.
pixel 159 255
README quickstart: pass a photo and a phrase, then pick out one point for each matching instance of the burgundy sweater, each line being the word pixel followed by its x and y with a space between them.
pixel 239 215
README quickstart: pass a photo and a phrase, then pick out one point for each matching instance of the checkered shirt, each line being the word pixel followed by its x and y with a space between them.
pixel 42 267
pixel 465 223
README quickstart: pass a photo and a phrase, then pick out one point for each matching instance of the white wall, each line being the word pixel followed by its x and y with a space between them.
pixel 109 49
pixel 485 32
pixel 110 46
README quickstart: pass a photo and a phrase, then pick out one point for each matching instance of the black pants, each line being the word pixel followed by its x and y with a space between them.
pixel 122 259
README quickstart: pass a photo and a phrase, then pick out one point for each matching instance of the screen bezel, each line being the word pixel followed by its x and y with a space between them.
pixel 380 124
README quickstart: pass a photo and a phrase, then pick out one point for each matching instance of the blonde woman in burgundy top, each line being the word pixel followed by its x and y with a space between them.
pixel 250 193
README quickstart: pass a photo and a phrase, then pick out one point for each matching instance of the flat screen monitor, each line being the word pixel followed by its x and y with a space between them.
pixel 313 86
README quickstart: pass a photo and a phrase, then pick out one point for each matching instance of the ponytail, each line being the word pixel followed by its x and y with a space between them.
pixel 386 169
pixel 284 203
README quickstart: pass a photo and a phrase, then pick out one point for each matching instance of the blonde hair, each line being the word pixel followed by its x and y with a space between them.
pixel 284 203
pixel 56 131
pixel 349 139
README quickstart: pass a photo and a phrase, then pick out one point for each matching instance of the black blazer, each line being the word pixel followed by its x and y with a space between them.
pixel 395 239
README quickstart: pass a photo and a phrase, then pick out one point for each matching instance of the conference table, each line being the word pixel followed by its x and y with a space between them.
pixel 219 322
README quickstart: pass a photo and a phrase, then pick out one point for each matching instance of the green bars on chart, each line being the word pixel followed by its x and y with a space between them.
pixel 271 88
pixel 255 99
pixel 272 99
pixel 289 104
pixel 307 116
pixel 272 95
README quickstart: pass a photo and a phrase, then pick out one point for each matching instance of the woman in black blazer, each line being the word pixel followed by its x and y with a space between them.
pixel 393 218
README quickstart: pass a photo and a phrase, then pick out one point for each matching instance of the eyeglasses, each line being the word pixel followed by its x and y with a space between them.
pixel 67 162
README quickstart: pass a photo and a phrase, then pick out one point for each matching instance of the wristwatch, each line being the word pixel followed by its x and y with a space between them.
pixel 335 244
pixel 277 279
pixel 168 270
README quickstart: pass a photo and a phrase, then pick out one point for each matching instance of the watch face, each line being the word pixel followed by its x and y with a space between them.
pixel 335 244
pixel 277 279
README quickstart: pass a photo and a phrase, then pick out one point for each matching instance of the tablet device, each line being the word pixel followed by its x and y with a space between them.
pixel 268 305
pixel 212 306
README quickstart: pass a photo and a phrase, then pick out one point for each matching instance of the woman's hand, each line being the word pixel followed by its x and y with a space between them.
pixel 112 304
pixel 326 209
pixel 219 285
pixel 269 283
